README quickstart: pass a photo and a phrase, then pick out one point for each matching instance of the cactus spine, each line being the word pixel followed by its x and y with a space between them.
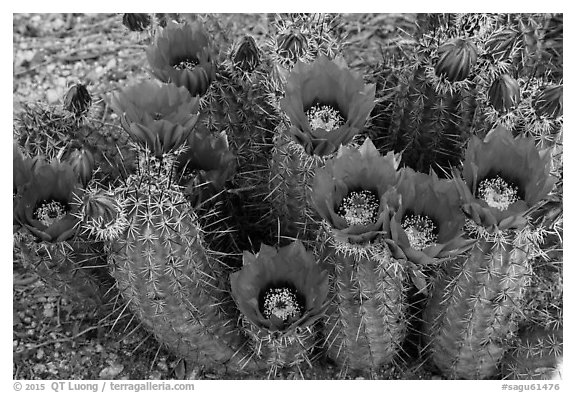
pixel 76 268
pixel 282 350
pixel 167 275
pixel 474 308
pixel 537 355
pixel 291 174
pixel 366 321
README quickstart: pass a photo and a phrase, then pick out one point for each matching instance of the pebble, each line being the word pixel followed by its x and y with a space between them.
pixel 111 371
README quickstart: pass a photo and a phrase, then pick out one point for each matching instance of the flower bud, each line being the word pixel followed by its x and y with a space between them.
pixel 136 22
pixel 292 45
pixel 82 162
pixel 549 102
pixel 77 99
pixel 246 55
pixel 103 215
pixel 457 58
pixel 504 94
pixel 501 44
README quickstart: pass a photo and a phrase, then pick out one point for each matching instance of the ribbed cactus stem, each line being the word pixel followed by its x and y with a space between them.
pixel 172 281
pixel 291 174
pixel 75 268
pixel 366 321
pixel 285 350
pixel 474 308
pixel 537 355
pixel 428 125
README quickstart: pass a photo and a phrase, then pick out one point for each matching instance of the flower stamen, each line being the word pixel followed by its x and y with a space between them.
pixel 282 303
pixel 50 212
pixel 420 231
pixel 359 207
pixel 186 64
pixel 324 116
pixel 498 193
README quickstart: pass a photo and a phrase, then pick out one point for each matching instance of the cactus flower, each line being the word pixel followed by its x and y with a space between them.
pixel 208 154
pixel 158 116
pixel 549 102
pixel 424 220
pixel 504 94
pixel 46 205
pixel 22 168
pixel 327 104
pixel 182 55
pixel 457 59
pixel 503 177
pixel 280 290
pixel 348 192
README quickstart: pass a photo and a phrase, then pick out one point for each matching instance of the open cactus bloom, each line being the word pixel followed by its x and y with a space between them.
pixel 182 55
pixel 280 290
pixel 208 154
pixel 22 168
pixel 503 177
pixel 158 116
pixel 348 192
pixel 424 222
pixel 46 206
pixel 327 104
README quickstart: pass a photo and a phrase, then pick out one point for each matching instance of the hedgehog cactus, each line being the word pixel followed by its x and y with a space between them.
pixel 537 355
pixel 51 132
pixel 281 294
pixel 162 265
pixel 46 206
pixel 327 105
pixel 366 320
pixel 476 299
pixel 167 275
pixel 457 80
pixel 301 38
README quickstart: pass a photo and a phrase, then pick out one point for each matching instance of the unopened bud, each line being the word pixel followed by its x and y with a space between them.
pixel 82 162
pixel 504 94
pixel 77 99
pixel 549 102
pixel 136 22
pixel 457 58
pixel 246 55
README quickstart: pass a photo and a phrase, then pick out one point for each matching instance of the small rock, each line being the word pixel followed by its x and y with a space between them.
pixel 162 365
pixel 111 371
pixel 40 354
pixel 155 375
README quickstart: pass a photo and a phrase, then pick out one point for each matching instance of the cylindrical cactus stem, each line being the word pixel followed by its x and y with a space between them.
pixel 474 308
pixel 291 175
pixel 537 355
pixel 170 279
pixel 283 350
pixel 429 125
pixel 76 268
pixel 366 321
